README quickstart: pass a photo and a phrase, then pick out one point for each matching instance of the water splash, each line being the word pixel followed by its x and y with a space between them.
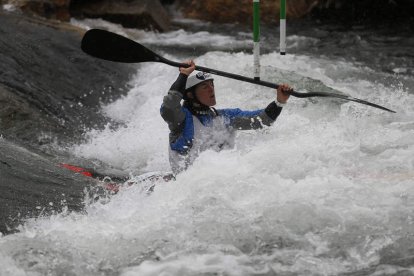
pixel 326 190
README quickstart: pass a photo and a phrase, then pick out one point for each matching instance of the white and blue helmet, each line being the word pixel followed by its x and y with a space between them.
pixel 196 79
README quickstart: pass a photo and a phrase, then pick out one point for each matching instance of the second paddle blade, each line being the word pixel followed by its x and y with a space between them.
pixel 113 47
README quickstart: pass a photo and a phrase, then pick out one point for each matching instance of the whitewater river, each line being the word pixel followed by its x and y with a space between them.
pixel 327 190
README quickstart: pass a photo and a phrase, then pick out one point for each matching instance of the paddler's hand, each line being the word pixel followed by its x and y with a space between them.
pixel 282 93
pixel 187 71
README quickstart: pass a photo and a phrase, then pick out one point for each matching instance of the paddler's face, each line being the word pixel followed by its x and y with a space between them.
pixel 205 93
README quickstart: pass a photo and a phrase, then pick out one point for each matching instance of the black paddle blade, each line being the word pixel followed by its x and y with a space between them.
pixel 113 47
pixel 339 96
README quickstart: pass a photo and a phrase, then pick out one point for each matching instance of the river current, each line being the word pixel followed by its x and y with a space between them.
pixel 327 190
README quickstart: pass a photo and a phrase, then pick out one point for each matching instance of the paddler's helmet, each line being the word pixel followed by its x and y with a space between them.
pixel 193 103
pixel 198 78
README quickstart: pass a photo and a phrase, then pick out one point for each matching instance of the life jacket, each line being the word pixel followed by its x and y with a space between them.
pixel 200 133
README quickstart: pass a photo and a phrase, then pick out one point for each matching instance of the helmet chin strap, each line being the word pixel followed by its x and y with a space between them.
pixel 195 106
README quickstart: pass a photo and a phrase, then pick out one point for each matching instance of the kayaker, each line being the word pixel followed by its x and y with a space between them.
pixel 196 125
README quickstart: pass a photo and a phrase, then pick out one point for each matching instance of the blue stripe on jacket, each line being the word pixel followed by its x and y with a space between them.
pixel 232 113
pixel 185 141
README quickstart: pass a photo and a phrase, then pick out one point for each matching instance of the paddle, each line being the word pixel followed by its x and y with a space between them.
pixel 113 47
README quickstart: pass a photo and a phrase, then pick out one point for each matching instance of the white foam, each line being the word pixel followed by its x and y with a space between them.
pixel 324 191
pixel 9 7
pixel 177 37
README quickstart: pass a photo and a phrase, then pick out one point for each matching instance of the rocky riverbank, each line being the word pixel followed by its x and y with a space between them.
pixel 50 94
pixel 157 14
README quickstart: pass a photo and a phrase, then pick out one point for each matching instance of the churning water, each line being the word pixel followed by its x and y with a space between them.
pixel 327 190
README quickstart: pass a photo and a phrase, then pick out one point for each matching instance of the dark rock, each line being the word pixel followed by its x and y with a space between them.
pixel 51 9
pixel 130 13
pixel 48 85
pixel 50 92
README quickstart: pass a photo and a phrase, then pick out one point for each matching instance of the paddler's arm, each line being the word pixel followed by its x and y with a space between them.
pixel 244 120
pixel 171 110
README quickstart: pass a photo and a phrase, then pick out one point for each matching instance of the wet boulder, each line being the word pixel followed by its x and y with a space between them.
pixel 33 185
pixel 145 14
pixel 48 86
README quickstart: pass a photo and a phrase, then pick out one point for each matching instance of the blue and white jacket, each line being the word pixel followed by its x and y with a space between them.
pixel 192 132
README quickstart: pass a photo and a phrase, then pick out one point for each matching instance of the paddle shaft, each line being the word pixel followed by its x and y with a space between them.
pixel 269 84
pixel 223 74
pixel 237 77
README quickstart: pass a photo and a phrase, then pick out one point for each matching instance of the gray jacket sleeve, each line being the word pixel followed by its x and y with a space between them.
pixel 244 120
pixel 171 110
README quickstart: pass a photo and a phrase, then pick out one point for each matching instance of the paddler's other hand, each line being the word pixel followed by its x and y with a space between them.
pixel 187 71
pixel 283 93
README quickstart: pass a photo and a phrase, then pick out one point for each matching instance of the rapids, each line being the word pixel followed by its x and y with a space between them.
pixel 327 190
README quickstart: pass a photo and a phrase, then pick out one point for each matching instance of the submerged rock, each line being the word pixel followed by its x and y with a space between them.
pixel 33 185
